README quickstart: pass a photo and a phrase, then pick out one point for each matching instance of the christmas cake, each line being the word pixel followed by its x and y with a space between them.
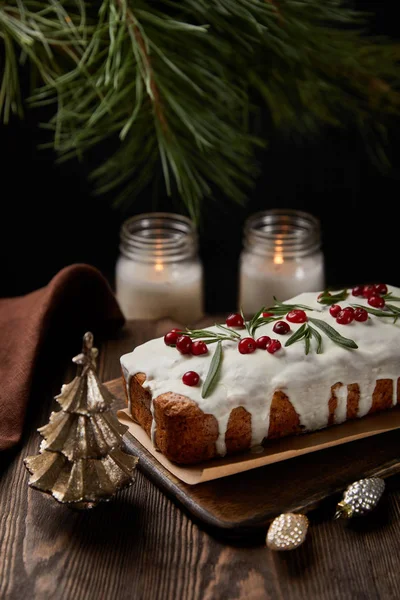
pixel 298 366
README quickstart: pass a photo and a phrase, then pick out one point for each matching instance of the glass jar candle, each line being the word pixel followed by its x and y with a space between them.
pixel 158 271
pixel 281 257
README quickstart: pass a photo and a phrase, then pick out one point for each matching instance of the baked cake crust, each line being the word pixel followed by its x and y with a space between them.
pixel 185 435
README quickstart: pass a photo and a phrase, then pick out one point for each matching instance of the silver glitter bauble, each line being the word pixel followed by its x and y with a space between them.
pixel 287 532
pixel 360 498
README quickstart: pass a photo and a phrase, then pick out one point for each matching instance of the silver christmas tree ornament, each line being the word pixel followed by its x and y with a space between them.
pixel 360 498
pixel 287 532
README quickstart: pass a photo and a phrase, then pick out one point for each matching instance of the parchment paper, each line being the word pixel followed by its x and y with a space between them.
pixel 275 450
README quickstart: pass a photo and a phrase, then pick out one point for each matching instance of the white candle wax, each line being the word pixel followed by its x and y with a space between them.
pixel 263 277
pixel 161 289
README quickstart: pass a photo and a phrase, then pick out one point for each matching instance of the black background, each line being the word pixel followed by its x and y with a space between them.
pixel 49 217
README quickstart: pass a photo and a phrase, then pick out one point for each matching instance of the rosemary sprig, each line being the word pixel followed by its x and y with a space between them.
pixel 297 335
pixel 333 334
pixel 231 331
pixel 263 321
pixel 213 371
pixel 306 332
pixel 328 298
pixel 278 310
pixel 254 320
pixel 393 308
pixel 246 324
pixel 318 337
pixel 307 341
pixel 211 337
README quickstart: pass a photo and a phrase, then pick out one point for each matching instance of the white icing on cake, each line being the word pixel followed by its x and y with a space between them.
pixel 250 380
pixel 341 407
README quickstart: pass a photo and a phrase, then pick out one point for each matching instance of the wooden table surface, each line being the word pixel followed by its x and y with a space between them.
pixel 140 545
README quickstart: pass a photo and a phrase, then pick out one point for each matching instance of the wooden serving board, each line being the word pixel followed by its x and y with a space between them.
pixel 245 503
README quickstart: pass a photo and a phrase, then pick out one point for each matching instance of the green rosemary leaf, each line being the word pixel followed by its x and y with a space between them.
pixel 276 300
pixel 277 311
pixel 307 341
pixel 297 335
pixel 213 340
pixel 213 370
pixel 210 337
pixel 328 298
pixel 393 308
pixel 318 337
pixel 253 321
pixel 333 334
pixel 201 333
pixel 245 322
pixel 231 331
pixel 390 296
pixel 264 321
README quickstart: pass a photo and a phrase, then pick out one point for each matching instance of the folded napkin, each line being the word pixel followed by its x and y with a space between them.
pixel 76 300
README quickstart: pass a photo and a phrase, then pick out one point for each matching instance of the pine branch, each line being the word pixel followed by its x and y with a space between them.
pixel 169 88
pixel 35 35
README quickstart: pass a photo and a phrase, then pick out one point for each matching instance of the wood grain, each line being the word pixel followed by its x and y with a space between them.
pixel 141 545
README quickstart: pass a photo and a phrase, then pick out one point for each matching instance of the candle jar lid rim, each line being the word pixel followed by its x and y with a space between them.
pixel 289 232
pixel 157 236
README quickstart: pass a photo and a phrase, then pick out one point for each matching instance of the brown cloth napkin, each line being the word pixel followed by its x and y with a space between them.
pixel 76 300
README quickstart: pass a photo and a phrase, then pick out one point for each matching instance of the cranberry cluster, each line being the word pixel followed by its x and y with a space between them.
pixel 344 316
pixel 246 345
pixel 373 293
pixel 184 345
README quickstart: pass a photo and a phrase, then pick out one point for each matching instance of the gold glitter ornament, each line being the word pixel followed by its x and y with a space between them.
pixel 360 498
pixel 81 459
pixel 287 532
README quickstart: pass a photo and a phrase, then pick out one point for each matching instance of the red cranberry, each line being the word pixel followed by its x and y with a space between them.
pixel 171 337
pixel 368 291
pixel 360 314
pixel 349 309
pixel 274 346
pixel 358 290
pixel 191 378
pixel 267 314
pixel 344 317
pixel 281 327
pixel 247 345
pixel 235 320
pixel 263 341
pixel 380 289
pixel 335 310
pixel 376 301
pixel 184 344
pixel 199 348
pixel 296 316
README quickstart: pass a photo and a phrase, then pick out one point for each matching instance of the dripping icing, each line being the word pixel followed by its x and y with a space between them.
pixel 251 380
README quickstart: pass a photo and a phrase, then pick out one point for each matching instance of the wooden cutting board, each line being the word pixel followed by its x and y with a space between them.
pixel 245 503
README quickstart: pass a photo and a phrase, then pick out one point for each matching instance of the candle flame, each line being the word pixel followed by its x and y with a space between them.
pixel 278 259
pixel 159 266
